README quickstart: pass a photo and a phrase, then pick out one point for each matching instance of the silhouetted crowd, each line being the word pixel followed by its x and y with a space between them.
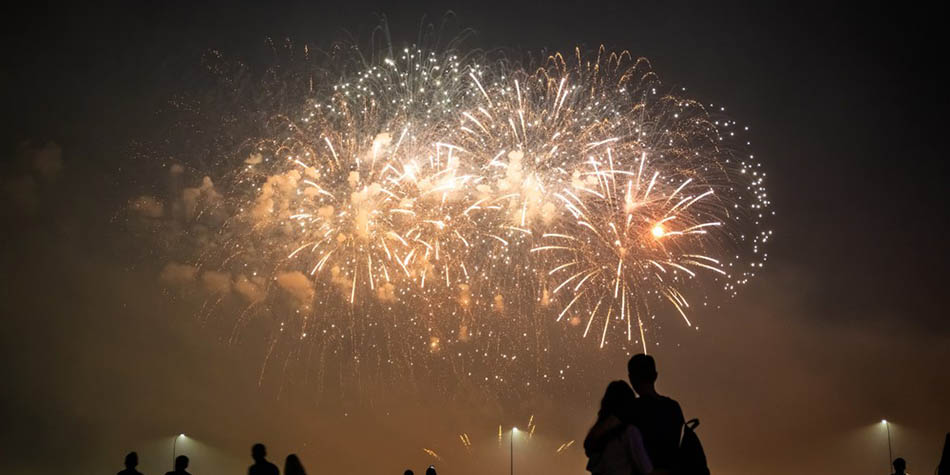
pixel 637 432
pixel 261 466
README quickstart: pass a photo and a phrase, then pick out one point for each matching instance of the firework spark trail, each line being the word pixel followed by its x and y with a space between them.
pixel 564 446
pixel 431 453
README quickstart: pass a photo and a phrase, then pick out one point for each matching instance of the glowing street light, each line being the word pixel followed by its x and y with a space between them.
pixel 175 446
pixel 890 455
pixel 514 430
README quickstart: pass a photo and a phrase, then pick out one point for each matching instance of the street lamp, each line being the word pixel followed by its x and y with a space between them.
pixel 514 430
pixel 175 446
pixel 890 454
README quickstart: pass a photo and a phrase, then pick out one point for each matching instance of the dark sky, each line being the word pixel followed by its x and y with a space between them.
pixel 847 324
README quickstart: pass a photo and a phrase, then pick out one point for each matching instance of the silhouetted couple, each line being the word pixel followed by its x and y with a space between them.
pixel 262 466
pixel 639 433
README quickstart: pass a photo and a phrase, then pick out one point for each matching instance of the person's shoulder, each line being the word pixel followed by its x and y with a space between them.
pixel 673 406
pixel 670 401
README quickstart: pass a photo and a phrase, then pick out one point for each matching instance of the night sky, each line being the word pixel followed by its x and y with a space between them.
pixel 845 326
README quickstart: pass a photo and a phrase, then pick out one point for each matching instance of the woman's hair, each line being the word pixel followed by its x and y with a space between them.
pixel 617 396
pixel 293 466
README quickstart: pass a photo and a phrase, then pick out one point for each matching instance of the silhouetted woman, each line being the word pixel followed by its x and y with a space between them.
pixel 292 466
pixel 612 446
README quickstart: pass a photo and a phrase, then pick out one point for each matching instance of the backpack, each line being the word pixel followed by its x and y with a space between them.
pixel 691 459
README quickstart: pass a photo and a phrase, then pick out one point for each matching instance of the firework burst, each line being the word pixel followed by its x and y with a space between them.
pixel 490 204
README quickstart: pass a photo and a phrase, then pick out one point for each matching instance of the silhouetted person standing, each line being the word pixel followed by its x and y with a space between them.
pixel 131 461
pixel 944 467
pixel 900 466
pixel 181 463
pixel 659 418
pixel 292 466
pixel 261 465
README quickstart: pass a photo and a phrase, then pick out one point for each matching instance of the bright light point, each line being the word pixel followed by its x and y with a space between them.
pixel 181 435
pixel 883 421
pixel 658 231
pixel 514 429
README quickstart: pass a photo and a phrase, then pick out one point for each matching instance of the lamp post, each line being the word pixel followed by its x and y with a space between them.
pixel 175 446
pixel 514 430
pixel 890 454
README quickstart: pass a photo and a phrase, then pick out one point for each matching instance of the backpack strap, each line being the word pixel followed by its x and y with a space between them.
pixel 691 425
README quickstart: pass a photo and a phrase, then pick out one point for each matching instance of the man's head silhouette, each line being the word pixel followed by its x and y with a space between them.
pixel 258 452
pixel 131 460
pixel 899 465
pixel 181 463
pixel 642 371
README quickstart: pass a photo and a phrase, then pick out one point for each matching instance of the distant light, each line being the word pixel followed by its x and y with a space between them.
pixel 883 421
pixel 514 429
pixel 181 435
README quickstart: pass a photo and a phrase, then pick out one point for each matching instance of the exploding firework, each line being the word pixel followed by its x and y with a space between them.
pixel 425 208
pixel 626 193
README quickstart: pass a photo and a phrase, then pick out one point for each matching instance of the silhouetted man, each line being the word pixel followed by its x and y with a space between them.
pixel 900 466
pixel 181 463
pixel 131 461
pixel 659 418
pixel 261 465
